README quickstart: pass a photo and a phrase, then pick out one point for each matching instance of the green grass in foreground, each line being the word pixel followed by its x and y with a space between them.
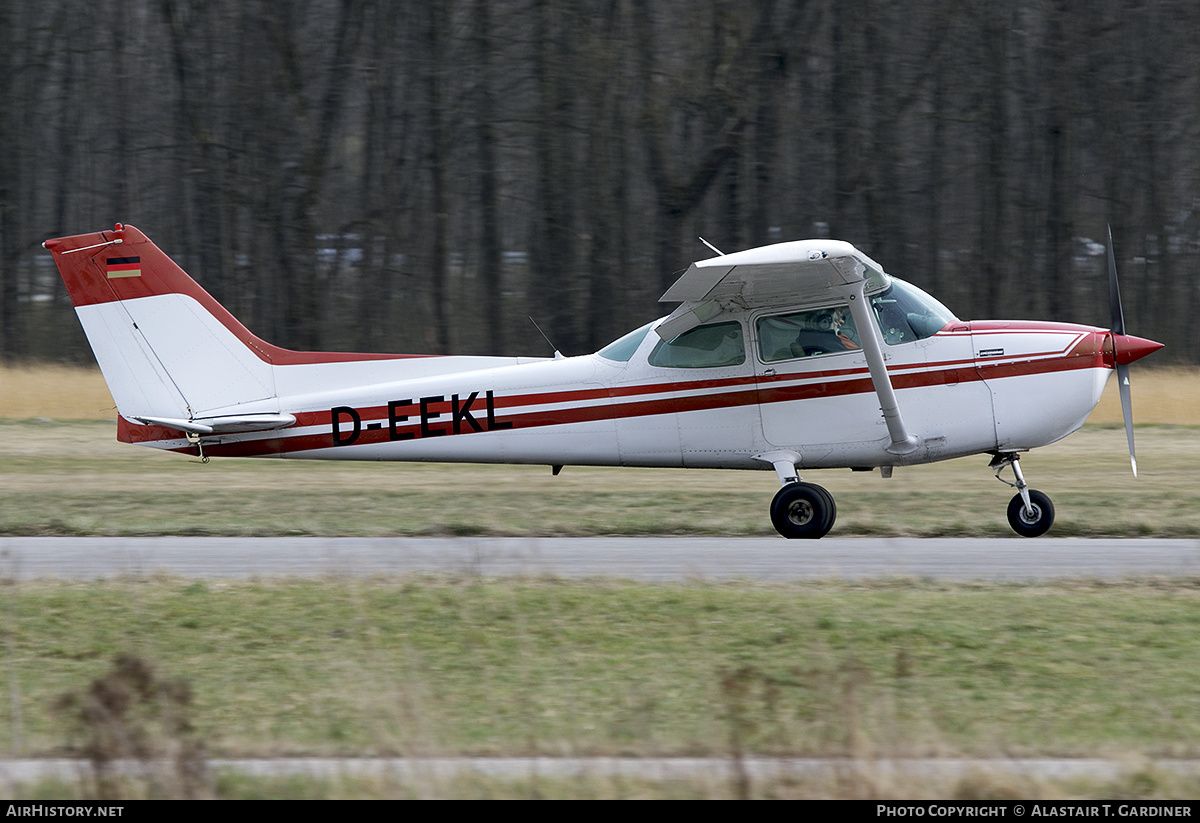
pixel 435 665
pixel 73 478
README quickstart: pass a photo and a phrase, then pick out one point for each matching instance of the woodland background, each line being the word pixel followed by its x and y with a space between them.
pixel 420 176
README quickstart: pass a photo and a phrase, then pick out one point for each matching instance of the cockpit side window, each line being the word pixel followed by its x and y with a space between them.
pixel 704 347
pixel 806 333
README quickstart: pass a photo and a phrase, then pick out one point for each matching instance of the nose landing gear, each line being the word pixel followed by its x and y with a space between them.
pixel 1030 512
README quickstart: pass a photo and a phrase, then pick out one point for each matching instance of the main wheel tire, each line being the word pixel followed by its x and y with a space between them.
pixel 832 506
pixel 803 511
pixel 1032 524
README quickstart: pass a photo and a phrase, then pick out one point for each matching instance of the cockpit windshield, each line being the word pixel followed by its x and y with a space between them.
pixel 906 313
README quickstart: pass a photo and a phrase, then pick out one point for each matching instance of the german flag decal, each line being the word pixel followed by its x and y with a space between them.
pixel 124 267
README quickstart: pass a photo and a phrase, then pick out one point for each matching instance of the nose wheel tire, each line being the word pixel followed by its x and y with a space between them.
pixel 1034 522
pixel 803 511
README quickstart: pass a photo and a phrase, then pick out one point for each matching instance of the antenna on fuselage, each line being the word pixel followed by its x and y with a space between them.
pixel 557 354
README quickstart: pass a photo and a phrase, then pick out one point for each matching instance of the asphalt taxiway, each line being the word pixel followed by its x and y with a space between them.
pixel 638 558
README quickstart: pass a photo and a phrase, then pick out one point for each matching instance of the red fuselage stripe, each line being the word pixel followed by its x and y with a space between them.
pixel 589 404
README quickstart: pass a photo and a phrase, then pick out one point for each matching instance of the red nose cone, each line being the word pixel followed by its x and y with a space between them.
pixel 1128 348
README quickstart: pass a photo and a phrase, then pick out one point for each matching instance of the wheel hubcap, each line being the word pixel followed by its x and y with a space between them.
pixel 800 512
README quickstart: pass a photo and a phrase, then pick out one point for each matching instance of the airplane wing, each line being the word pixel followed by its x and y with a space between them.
pixel 794 273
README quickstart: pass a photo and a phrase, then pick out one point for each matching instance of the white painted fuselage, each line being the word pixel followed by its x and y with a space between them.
pixel 968 389
pixel 187 376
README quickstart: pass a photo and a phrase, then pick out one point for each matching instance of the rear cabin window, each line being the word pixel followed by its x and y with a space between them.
pixel 704 347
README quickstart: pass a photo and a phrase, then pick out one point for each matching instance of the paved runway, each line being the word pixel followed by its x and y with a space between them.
pixel 641 558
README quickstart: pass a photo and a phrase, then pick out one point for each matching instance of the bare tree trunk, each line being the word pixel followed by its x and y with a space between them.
pixel 555 280
pixel 491 254
pixel 934 189
pixel 677 191
pixel 384 162
pixel 1058 137
pixel 765 161
pixel 438 159
pixel 846 91
pixel 992 214
pixel 195 152
pixel 10 335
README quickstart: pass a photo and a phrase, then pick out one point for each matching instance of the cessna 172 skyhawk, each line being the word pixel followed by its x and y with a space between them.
pixel 795 356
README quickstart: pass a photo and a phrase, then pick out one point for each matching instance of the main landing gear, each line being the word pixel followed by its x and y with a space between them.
pixel 799 510
pixel 803 510
pixel 1030 512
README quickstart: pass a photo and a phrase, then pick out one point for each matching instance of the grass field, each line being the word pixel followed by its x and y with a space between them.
pixel 62 472
pixel 467 665
pixel 73 478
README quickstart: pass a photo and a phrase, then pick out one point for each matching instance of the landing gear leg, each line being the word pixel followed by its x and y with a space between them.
pixel 1030 512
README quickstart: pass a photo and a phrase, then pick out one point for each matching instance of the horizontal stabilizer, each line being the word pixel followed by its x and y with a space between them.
pixel 218 425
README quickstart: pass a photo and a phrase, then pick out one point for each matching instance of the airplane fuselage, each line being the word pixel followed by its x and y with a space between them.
pixel 970 388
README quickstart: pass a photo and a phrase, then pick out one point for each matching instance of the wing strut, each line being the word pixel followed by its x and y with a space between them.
pixel 872 344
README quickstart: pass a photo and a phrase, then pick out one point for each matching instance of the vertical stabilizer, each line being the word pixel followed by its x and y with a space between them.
pixel 166 347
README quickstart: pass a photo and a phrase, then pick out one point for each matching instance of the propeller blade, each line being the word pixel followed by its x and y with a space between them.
pixel 1114 291
pixel 1127 412
pixel 1118 337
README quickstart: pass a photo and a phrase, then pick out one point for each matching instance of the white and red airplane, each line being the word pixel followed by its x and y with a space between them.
pixel 795 356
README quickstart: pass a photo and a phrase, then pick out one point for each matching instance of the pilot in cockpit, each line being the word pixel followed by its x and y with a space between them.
pixel 824 331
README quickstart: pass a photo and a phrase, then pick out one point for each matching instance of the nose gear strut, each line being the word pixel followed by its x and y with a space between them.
pixel 1030 512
